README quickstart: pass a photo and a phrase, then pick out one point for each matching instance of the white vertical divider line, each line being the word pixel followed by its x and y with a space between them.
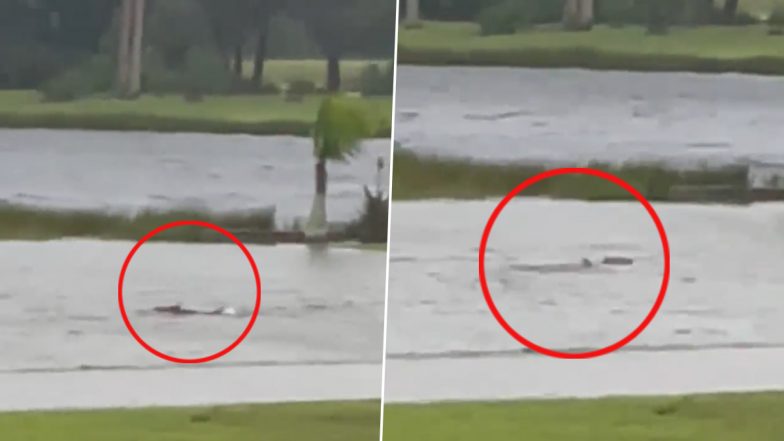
pixel 389 223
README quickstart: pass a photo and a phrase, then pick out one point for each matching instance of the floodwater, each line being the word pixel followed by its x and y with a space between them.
pixel 724 295
pixel 60 326
pixel 129 171
pixel 720 325
pixel 567 115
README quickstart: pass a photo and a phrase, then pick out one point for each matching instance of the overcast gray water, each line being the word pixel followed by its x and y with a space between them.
pixel 60 324
pixel 719 328
pixel 128 171
pixel 568 115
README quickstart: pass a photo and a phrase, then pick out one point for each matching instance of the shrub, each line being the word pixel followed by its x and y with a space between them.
pixel 376 82
pixel 270 89
pixel 297 89
pixel 205 73
pixel 302 87
pixel 93 76
pixel 616 12
pixel 371 227
pixel 505 18
pixel 776 20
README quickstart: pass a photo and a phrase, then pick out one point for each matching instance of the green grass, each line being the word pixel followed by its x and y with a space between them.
pixel 28 223
pixel 262 115
pixel 323 421
pixel 281 72
pixel 429 177
pixel 725 417
pixel 702 49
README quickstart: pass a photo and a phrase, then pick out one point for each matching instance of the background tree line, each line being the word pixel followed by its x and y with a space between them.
pixel 506 16
pixel 76 47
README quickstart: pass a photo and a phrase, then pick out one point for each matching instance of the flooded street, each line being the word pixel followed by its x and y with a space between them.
pixel 61 334
pixel 720 326
pixel 567 115
pixel 59 307
pixel 129 171
pixel 723 286
pixel 724 290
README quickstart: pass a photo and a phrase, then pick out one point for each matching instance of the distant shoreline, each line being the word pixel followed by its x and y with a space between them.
pixel 418 177
pixel 708 49
pixel 232 114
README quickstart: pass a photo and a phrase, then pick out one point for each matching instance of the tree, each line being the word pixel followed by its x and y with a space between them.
pixel 730 9
pixel 340 27
pixel 123 46
pixel 263 12
pixel 340 126
pixel 129 48
pixel 412 13
pixel 135 70
pixel 578 15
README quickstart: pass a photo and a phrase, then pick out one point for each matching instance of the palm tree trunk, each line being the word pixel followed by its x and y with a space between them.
pixel 135 80
pixel 238 60
pixel 412 12
pixel 317 226
pixel 730 9
pixel 586 14
pixel 578 15
pixel 333 73
pixel 122 47
pixel 261 51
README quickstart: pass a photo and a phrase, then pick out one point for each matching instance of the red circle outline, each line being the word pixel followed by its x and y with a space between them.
pixel 665 277
pixel 253 316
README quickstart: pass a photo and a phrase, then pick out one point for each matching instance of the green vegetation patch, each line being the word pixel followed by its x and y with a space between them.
pixel 260 115
pixel 322 421
pixel 29 223
pixel 748 49
pixel 429 177
pixel 721 417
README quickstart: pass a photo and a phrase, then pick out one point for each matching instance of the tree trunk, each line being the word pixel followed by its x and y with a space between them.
pixel 237 61
pixel 586 14
pixel 333 73
pixel 412 13
pixel 730 9
pixel 260 53
pixel 124 38
pixel 657 19
pixel 135 80
pixel 578 15
pixel 317 226
pixel 571 8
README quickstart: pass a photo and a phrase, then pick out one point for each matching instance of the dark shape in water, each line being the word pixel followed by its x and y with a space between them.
pixel 616 260
pixel 179 310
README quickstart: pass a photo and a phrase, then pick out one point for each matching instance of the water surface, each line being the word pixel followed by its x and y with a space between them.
pixel 568 115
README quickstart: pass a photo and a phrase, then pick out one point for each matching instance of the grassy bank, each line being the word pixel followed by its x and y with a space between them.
pixel 28 223
pixel 727 417
pixel 429 177
pixel 280 72
pixel 344 421
pixel 251 114
pixel 746 49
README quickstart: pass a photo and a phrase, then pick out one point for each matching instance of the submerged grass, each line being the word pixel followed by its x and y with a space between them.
pixel 31 223
pixel 720 417
pixel 249 114
pixel 712 49
pixel 322 421
pixel 430 177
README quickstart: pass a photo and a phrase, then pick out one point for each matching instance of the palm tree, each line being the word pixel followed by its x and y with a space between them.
pixel 412 13
pixel 340 126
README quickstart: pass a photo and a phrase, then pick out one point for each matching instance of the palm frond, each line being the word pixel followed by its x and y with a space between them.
pixel 341 124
